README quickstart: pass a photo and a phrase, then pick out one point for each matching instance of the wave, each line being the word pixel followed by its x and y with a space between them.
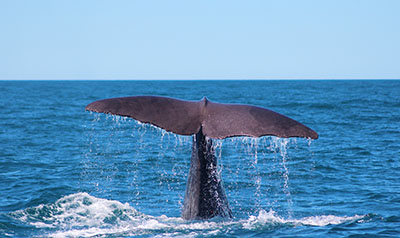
pixel 83 215
pixel 272 218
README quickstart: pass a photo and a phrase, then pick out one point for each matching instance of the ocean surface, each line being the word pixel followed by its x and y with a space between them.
pixel 66 172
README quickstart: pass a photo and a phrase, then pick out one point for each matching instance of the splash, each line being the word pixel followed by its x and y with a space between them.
pixel 154 163
pixel 83 215
pixel 77 210
pixel 271 218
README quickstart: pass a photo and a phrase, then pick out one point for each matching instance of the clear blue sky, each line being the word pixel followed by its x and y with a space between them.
pixel 204 39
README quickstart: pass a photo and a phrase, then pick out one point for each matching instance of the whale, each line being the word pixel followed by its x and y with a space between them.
pixel 204 120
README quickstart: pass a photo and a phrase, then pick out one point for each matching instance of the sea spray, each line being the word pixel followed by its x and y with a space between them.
pixel 280 145
pixel 143 147
pixel 353 168
pixel 84 215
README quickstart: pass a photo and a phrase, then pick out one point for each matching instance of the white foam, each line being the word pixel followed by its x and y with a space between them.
pixel 327 220
pixel 83 215
pixel 272 218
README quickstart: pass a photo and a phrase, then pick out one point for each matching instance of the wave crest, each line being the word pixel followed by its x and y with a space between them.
pixel 83 215
pixel 268 218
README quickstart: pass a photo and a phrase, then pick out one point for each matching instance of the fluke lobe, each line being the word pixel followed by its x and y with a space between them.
pixel 206 120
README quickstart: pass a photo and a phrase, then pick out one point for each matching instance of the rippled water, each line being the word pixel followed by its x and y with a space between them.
pixel 65 172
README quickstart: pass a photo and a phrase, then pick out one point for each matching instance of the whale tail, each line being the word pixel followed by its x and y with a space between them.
pixel 217 120
pixel 204 196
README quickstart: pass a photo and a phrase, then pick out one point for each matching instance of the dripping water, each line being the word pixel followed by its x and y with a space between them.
pixel 156 164
pixel 280 145
pixel 256 154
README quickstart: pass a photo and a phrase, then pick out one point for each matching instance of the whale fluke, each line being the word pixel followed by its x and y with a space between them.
pixel 217 120
pixel 204 197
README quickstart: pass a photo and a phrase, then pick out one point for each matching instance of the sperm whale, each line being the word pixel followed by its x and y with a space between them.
pixel 205 120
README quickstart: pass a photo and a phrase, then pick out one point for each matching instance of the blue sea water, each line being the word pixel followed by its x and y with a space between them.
pixel 66 172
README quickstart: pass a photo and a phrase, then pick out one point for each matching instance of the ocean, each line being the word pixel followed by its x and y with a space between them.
pixel 67 172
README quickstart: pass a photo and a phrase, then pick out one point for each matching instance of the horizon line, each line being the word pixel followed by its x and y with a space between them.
pixel 200 79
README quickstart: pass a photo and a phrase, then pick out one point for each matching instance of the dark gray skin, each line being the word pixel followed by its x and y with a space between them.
pixel 204 197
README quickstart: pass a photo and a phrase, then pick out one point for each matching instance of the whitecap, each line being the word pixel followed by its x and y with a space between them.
pixel 271 217
pixel 83 215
